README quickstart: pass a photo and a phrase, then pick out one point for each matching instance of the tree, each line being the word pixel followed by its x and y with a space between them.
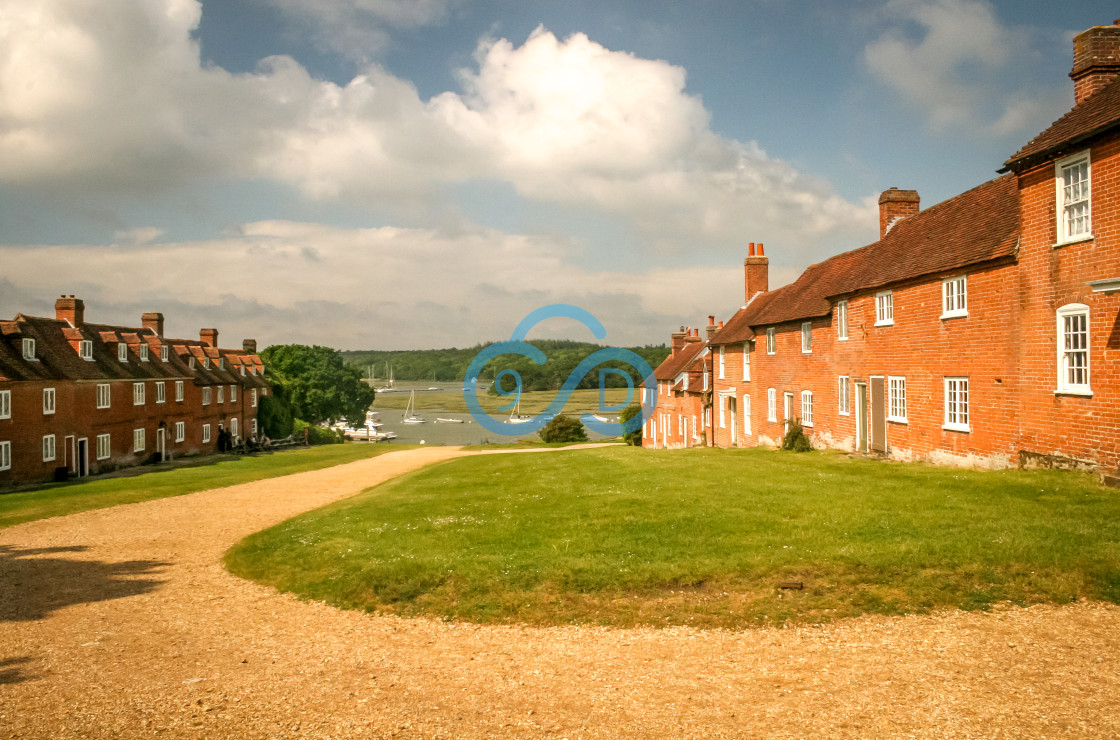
pixel 563 429
pixel 275 416
pixel 317 384
pixel 635 437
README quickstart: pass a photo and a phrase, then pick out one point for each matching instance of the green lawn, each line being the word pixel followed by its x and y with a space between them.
pixel 627 536
pixel 69 498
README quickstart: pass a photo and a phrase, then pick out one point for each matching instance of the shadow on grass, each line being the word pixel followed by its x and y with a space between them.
pixel 32 586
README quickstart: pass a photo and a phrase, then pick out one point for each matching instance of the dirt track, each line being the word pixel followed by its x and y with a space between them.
pixel 122 623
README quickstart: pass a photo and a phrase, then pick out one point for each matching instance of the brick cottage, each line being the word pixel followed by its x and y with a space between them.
pixel 78 398
pixel 982 331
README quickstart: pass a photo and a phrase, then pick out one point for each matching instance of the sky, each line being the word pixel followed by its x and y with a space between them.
pixel 399 174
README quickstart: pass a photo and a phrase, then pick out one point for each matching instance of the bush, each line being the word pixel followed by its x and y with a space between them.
pixel 275 417
pixel 795 438
pixel 317 435
pixel 635 437
pixel 563 429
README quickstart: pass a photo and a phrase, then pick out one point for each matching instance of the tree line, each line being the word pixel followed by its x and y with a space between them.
pixel 450 365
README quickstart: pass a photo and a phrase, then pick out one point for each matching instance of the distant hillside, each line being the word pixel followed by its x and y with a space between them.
pixel 450 365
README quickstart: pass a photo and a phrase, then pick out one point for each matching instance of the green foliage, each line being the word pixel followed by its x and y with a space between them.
pixel 450 365
pixel 635 437
pixel 698 537
pixel 795 438
pixel 316 383
pixel 317 435
pixel 563 428
pixel 275 416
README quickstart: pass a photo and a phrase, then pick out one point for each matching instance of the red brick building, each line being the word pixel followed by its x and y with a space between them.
pixel 78 398
pixel 680 418
pixel 984 330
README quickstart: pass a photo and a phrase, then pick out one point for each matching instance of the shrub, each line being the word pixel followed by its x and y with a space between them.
pixel 795 438
pixel 275 417
pixel 563 429
pixel 318 435
pixel 635 437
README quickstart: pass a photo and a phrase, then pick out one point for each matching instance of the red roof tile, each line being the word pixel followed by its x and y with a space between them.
pixel 1094 115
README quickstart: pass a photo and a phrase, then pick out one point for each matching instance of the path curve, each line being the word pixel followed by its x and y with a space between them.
pixel 122 622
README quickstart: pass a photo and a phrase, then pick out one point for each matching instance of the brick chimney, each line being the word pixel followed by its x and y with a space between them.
pixel 756 272
pixel 895 205
pixel 209 337
pixel 711 330
pixel 249 345
pixel 1096 59
pixel 69 308
pixel 678 340
pixel 153 321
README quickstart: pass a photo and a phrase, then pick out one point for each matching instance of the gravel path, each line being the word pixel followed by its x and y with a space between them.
pixel 123 623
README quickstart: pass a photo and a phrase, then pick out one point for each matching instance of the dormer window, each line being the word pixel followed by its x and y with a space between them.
pixel 243 371
pixel 143 353
pixel 28 349
pixel 85 349
pixel 206 362
pixel 191 363
pixel 221 363
pixel 122 351
pixel 163 353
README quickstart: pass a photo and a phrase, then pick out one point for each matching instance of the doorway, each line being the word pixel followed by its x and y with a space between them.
pixel 161 443
pixel 878 414
pixel 861 417
pixel 81 458
pixel 788 411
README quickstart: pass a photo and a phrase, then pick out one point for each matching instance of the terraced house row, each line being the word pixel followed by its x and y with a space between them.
pixel 984 330
pixel 78 398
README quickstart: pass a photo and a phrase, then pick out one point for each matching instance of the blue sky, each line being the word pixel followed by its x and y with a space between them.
pixel 423 173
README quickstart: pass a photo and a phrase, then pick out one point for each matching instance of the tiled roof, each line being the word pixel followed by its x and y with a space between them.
pixel 977 226
pixel 675 363
pixel 1094 115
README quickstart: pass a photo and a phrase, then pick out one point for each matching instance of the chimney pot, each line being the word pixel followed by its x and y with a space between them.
pixel 756 273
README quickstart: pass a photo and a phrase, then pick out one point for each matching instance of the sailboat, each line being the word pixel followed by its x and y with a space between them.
pixel 516 417
pixel 389 372
pixel 410 416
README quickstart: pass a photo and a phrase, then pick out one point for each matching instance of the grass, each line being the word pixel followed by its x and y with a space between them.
pixel 70 498
pixel 532 402
pixel 625 536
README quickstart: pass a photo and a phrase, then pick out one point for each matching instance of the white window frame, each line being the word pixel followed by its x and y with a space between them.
pixel 5 404
pixel 771 404
pixel 50 401
pixel 143 352
pixel 722 360
pixel 1069 199
pixel 722 411
pixel 205 433
pixel 842 321
pixel 255 425
pixel 161 392
pixel 233 427
pixel 179 391
pixel 163 353
pixel 180 431
pixel 104 448
pixel 806 408
pixel 85 349
pixel 770 348
pixel 1066 353
pixel 221 394
pixel 253 397
pixel 221 363
pixel 139 394
pixel 843 394
pixel 122 351
pixel 746 413
pixel 954 297
pixel 884 308
pixel 50 448
pixel 896 399
pixel 206 395
pixel 5 455
pixel 806 337
pixel 233 393
pixel 29 348
pixel 139 440
pixel 104 395
pixel 746 361
pixel 956 404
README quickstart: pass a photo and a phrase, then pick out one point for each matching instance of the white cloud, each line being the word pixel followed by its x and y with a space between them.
pixel 957 69
pixel 283 281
